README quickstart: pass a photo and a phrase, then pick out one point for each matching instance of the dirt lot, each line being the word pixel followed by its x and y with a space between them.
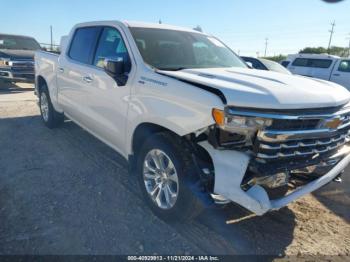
pixel 64 192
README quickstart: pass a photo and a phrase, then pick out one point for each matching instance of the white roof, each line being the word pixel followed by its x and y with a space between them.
pixel 159 26
pixel 320 56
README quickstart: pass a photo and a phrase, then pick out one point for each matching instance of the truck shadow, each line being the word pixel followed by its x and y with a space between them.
pixel 77 186
pixel 12 88
pixel 214 230
pixel 336 197
pixel 233 233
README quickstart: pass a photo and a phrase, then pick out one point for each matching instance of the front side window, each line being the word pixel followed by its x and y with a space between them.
pixel 174 50
pixel 83 44
pixel 111 45
pixel 18 43
pixel 311 62
pixel 344 66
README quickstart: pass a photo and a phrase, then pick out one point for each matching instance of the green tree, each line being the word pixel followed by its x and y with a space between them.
pixel 277 58
pixel 334 50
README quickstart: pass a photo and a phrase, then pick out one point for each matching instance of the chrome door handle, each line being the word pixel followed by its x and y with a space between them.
pixel 61 70
pixel 87 79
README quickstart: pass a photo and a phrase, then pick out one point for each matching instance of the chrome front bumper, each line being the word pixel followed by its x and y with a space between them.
pixel 18 77
pixel 230 167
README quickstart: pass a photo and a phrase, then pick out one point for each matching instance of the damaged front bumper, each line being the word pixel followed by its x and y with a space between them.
pixel 231 167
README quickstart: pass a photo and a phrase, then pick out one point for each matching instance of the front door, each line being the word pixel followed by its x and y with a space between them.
pixel 341 73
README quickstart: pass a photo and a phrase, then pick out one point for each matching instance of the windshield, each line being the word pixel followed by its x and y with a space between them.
pixel 273 66
pixel 175 50
pixel 18 43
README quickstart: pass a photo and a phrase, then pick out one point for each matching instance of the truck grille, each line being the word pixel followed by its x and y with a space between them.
pixel 304 147
pixel 303 136
pixel 22 65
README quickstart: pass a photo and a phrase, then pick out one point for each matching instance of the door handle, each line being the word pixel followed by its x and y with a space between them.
pixel 87 79
pixel 61 70
pixel 336 74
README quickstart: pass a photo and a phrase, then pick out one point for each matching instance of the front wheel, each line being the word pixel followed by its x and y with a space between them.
pixel 165 173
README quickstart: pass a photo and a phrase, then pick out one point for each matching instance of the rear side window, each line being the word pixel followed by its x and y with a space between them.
pixel 311 62
pixel 344 66
pixel 83 44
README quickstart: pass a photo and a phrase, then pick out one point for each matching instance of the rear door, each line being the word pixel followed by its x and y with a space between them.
pixel 341 73
pixel 74 70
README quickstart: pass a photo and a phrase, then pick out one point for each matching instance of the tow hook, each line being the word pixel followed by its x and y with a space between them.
pixel 338 179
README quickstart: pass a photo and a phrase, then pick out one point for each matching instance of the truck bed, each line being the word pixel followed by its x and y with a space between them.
pixel 46 64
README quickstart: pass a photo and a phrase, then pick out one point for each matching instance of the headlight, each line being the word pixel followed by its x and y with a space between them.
pixel 237 130
pixel 232 122
pixel 4 62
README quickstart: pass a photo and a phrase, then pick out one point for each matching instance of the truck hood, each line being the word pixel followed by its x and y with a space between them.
pixel 266 89
pixel 17 54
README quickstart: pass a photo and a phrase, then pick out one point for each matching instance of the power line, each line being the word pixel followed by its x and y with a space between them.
pixel 349 45
pixel 330 37
pixel 266 43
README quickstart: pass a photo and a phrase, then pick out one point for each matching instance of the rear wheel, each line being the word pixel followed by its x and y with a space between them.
pixel 49 115
pixel 165 173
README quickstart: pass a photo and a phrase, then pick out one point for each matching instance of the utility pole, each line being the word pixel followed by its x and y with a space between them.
pixel 330 37
pixel 266 43
pixel 51 37
pixel 349 46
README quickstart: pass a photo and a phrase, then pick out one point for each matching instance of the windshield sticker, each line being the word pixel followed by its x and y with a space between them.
pixel 215 42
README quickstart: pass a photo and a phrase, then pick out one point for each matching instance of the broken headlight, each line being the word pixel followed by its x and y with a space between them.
pixel 237 129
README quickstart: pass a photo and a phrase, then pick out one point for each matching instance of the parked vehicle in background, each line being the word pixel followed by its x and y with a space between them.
pixel 285 63
pixel 265 64
pixel 322 66
pixel 193 121
pixel 17 58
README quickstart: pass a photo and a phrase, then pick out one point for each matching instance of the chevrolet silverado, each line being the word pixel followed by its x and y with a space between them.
pixel 196 125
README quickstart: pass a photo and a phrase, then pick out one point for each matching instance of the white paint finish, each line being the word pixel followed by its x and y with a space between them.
pixel 341 77
pixel 266 89
pixel 112 113
pixel 229 175
pixel 159 26
pixel 46 66
pixel 330 74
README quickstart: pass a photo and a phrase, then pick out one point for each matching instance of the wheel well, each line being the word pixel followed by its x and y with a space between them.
pixel 200 156
pixel 41 81
pixel 143 131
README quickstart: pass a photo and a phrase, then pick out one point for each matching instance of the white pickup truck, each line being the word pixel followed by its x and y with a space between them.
pixel 195 124
pixel 323 66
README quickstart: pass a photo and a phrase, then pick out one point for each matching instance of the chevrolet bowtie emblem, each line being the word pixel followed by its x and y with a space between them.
pixel 332 123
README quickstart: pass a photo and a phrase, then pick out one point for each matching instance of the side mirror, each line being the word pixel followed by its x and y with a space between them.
pixel 116 69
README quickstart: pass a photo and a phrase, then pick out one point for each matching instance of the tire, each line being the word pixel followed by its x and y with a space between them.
pixel 185 205
pixel 49 115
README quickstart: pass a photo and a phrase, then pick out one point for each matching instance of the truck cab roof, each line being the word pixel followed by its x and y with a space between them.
pixel 139 24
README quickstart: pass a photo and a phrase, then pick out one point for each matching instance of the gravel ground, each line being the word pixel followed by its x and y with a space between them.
pixel 64 192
